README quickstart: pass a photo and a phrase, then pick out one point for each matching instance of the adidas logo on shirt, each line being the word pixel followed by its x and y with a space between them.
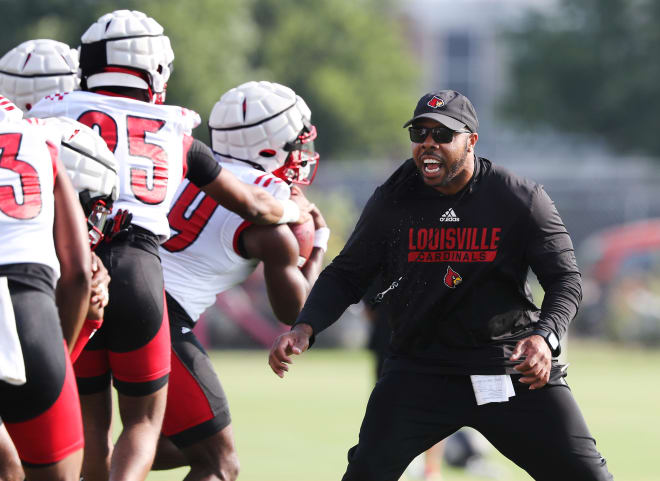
pixel 449 216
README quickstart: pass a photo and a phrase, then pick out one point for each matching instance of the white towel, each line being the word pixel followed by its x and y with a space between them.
pixel 12 366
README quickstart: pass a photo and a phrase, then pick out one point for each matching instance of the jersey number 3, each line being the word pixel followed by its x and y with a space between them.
pixel 29 179
pixel 137 128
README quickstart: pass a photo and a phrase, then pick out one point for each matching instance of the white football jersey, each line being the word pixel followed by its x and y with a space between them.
pixel 201 259
pixel 27 203
pixel 149 141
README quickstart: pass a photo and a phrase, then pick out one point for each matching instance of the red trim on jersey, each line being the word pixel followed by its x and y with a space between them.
pixel 258 179
pixel 244 225
pixel 148 363
pixel 187 405
pixel 6 104
pixel 53 151
pixel 187 142
pixel 268 181
pixel 55 433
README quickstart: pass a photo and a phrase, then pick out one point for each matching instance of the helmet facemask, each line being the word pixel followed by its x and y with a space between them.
pixel 301 163
pixel 97 212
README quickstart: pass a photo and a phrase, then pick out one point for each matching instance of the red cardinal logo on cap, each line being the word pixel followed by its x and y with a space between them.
pixel 452 278
pixel 436 102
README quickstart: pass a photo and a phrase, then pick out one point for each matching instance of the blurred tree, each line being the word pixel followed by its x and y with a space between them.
pixel 590 66
pixel 57 19
pixel 346 58
pixel 212 40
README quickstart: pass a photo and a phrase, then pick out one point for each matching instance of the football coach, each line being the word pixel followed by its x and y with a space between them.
pixel 454 236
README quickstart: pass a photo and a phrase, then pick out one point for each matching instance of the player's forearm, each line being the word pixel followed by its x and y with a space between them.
pixel 72 249
pixel 287 312
pixel 264 209
pixel 72 298
pixel 287 291
pixel 313 266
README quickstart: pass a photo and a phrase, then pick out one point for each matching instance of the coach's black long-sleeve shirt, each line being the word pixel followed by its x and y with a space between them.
pixel 460 301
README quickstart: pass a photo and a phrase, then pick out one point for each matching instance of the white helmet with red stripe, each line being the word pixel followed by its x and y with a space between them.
pixel 126 48
pixel 37 68
pixel 268 126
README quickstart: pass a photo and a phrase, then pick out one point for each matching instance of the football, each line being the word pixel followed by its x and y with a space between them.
pixel 304 234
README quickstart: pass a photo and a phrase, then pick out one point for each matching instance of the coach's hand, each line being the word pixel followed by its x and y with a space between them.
pixel 296 341
pixel 538 359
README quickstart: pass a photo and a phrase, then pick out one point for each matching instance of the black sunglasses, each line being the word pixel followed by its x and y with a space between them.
pixel 441 135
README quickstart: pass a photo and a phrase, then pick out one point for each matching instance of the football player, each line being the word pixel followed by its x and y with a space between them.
pixel 125 63
pixel 262 133
pixel 27 73
pixel 41 67
pixel 42 238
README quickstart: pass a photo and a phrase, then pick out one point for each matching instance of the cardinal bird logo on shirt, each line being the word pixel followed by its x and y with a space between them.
pixel 452 278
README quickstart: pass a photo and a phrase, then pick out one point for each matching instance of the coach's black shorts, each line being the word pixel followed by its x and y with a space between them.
pixel 196 403
pixel 134 341
pixel 540 430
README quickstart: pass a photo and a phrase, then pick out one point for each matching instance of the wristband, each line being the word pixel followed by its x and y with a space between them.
pixel 321 236
pixel 290 212
pixel 551 339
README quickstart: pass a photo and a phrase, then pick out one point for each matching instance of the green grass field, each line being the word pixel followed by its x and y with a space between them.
pixel 299 428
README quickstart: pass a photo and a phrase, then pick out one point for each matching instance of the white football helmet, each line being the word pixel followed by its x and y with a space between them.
pixel 37 68
pixel 268 126
pixel 126 48
pixel 92 168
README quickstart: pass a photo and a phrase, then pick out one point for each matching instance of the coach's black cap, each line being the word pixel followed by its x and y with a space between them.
pixel 448 107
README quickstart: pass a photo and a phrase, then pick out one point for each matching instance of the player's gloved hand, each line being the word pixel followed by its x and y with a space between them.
pixel 304 205
pixel 538 360
pixel 295 341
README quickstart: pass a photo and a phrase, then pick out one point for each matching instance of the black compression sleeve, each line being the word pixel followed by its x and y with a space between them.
pixel 202 166
pixel 552 258
pixel 346 279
